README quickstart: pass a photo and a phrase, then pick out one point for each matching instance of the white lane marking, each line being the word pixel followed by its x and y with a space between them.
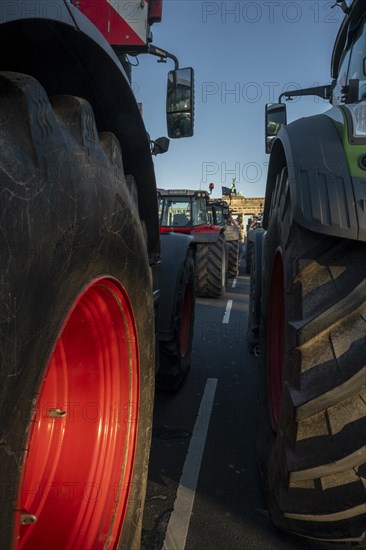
pixel 177 530
pixel 234 284
pixel 227 312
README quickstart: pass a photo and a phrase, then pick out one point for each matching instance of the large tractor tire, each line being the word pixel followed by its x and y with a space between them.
pixel 255 291
pixel 175 354
pixel 248 255
pixel 311 442
pixel 211 268
pixel 233 254
pixel 77 321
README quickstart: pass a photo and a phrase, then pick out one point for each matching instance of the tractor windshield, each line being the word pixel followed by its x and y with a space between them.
pixel 352 65
pixel 199 211
pixel 219 217
pixel 357 64
pixel 175 212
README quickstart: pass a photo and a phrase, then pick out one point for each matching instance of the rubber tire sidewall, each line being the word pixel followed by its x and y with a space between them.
pixel 76 231
pixel 255 292
pixel 174 367
pixel 296 245
pixel 233 265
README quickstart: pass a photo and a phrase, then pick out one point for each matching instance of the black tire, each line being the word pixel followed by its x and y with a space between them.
pixel 210 268
pixel 312 461
pixel 255 290
pixel 233 254
pixel 248 255
pixel 175 355
pixel 68 221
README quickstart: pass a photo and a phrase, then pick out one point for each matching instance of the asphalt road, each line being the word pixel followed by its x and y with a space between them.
pixel 210 497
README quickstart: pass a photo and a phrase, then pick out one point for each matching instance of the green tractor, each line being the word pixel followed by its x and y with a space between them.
pixel 221 216
pixel 312 296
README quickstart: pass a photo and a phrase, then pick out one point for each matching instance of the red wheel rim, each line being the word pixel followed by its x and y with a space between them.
pixel 78 467
pixel 186 319
pixel 275 340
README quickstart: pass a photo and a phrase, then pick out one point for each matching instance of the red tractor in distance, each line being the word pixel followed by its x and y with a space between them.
pixel 188 212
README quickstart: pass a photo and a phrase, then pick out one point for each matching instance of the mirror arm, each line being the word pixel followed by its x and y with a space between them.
pixel 163 54
pixel 322 91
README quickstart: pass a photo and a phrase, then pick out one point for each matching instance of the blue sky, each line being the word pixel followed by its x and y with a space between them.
pixel 244 54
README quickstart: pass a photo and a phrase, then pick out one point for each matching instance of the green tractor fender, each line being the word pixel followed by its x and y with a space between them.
pixel 322 191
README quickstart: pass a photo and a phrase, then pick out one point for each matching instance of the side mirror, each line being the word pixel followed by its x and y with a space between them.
pixel 160 146
pixel 180 103
pixel 276 118
pixel 226 212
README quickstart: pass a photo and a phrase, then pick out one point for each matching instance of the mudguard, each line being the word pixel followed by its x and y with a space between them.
pixel 65 52
pixel 252 234
pixel 321 188
pixel 231 234
pixel 174 248
pixel 207 236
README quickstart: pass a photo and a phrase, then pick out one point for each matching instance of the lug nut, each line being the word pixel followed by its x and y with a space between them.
pixel 27 519
pixel 56 413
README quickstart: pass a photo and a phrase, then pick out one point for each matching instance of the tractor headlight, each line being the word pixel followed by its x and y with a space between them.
pixel 358 118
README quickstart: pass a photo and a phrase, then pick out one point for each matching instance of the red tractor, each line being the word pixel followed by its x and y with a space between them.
pixel 187 212
pixel 83 297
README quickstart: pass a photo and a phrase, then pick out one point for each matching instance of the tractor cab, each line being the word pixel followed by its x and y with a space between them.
pixel 220 213
pixel 183 210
